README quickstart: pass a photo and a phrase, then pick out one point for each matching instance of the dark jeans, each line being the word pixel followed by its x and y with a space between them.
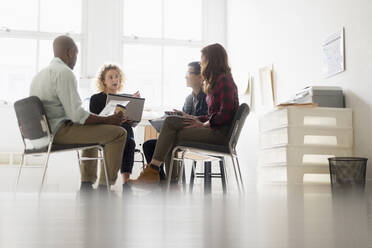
pixel 128 154
pixel 148 149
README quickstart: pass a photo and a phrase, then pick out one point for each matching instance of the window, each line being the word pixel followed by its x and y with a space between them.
pixel 175 64
pixel 26 36
pixel 183 19
pixel 142 70
pixel 140 21
pixel 14 17
pixel 159 41
pixel 53 11
pixel 17 66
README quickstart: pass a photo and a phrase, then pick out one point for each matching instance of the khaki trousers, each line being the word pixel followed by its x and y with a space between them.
pixel 174 133
pixel 113 137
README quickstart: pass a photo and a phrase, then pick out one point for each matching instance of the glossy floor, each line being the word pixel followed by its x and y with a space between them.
pixel 266 216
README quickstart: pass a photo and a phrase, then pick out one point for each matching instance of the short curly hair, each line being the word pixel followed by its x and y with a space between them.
pixel 102 73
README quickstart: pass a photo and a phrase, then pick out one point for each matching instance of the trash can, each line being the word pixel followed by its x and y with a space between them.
pixel 347 172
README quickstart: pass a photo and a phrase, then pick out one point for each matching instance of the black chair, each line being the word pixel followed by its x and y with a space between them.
pixel 38 139
pixel 216 151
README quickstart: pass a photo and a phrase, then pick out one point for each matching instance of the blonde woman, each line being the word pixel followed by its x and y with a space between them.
pixel 111 81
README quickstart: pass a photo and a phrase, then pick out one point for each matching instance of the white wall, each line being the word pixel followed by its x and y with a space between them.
pixel 289 33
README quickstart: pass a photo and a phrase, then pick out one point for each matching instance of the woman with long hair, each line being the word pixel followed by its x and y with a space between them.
pixel 223 102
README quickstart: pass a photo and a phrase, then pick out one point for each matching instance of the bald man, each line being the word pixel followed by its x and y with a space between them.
pixel 56 86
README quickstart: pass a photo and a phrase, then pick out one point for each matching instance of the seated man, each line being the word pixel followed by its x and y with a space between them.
pixel 56 86
pixel 195 104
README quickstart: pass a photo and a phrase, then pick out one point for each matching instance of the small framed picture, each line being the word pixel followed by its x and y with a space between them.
pixel 333 54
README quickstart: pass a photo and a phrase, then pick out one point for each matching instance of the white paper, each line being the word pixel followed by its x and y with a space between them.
pixel 267 87
pixel 110 107
pixel 333 54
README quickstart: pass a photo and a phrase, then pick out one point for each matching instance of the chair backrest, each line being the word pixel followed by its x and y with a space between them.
pixel 237 125
pixel 32 120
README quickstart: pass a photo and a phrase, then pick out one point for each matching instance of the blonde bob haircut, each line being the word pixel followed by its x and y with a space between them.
pixel 102 74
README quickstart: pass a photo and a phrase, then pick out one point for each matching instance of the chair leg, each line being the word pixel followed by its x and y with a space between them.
pixel 182 169
pixel 184 177
pixel 192 176
pixel 240 174
pixel 169 175
pixel 78 155
pixel 45 167
pixel 143 160
pixel 20 168
pixel 207 177
pixel 236 175
pixel 223 177
pixel 225 171
pixel 102 151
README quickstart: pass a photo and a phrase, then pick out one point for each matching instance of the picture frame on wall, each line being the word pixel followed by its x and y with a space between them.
pixel 267 87
pixel 333 54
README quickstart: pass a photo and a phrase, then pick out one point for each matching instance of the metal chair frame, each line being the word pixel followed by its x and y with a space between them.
pixel 142 158
pixel 44 125
pixel 234 133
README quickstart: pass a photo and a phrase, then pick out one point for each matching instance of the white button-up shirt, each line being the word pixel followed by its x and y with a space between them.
pixel 56 86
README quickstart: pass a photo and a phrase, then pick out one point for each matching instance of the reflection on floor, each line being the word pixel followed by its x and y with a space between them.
pixel 266 216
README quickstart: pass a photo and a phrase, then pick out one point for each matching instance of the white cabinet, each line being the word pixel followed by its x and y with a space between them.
pixel 295 141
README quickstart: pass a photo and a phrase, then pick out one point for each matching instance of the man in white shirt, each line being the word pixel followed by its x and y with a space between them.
pixel 56 86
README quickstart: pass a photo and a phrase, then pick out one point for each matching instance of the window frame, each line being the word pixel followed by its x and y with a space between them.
pixel 38 36
pixel 162 42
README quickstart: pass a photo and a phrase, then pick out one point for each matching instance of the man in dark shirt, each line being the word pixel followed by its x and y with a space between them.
pixel 195 104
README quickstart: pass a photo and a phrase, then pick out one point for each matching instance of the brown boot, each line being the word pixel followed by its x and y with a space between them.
pixel 149 176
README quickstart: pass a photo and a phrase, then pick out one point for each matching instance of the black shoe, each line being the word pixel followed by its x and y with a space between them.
pixel 127 189
pixel 86 187
pixel 86 191
pixel 162 175
pixel 102 189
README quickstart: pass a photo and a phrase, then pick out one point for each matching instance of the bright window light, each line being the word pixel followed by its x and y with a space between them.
pixel 45 53
pixel 142 69
pixel 19 14
pixel 17 67
pixel 26 51
pixel 160 38
pixel 176 60
pixel 60 16
pixel 142 18
pixel 183 19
